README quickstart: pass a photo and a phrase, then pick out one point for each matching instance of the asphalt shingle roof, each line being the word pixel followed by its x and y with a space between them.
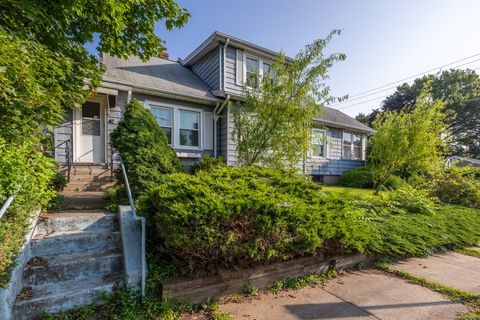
pixel 157 73
pixel 337 118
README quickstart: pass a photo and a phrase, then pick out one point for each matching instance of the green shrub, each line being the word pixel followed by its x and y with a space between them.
pixel 364 178
pixel 414 200
pixel 239 217
pixel 28 174
pixel 457 186
pixel 144 148
pixel 208 163
pixel 357 178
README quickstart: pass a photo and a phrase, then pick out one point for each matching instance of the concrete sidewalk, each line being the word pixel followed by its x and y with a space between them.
pixel 372 294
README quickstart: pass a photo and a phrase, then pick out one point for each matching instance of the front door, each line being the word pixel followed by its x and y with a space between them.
pixel 89 132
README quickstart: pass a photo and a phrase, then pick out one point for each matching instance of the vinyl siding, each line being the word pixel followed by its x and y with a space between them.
pixel 333 164
pixel 185 155
pixel 62 134
pixel 230 72
pixel 208 68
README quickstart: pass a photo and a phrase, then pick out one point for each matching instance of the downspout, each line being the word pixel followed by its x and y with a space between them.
pixel 225 62
pixel 216 115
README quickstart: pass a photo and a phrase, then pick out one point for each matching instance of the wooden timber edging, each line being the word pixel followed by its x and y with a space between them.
pixel 201 290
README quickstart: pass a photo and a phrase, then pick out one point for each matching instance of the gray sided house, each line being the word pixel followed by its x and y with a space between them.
pixel 189 99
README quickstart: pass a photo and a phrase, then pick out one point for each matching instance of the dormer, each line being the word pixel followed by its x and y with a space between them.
pixel 227 63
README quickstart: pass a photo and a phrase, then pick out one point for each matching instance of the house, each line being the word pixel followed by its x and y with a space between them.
pixel 189 99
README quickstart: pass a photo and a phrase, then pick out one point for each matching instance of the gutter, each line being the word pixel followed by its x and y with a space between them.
pixel 216 115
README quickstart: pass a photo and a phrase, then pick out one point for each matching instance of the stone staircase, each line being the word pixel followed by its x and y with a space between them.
pixel 76 254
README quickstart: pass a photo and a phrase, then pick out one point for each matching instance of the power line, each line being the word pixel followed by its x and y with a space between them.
pixel 392 87
pixel 381 97
pixel 364 93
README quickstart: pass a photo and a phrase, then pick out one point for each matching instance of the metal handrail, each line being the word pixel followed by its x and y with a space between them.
pixel 142 221
pixel 6 205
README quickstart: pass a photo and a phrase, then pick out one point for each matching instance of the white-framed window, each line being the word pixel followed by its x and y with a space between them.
pixel 189 128
pixel 164 117
pixel 255 69
pixel 251 72
pixel 351 146
pixel 319 142
pixel 182 125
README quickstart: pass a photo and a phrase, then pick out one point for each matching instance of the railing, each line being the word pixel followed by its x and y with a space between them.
pixel 6 205
pixel 142 222
pixel 68 157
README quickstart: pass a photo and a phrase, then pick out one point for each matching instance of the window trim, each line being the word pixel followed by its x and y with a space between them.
pixel 172 127
pixel 260 61
pixel 352 147
pixel 324 144
pixel 199 128
pixel 176 123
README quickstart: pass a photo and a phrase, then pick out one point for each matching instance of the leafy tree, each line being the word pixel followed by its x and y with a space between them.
pixel 144 148
pixel 44 66
pixel 460 90
pixel 363 118
pixel 273 123
pixel 408 141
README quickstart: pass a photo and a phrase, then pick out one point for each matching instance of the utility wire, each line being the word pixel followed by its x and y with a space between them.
pixel 381 97
pixel 392 87
pixel 364 95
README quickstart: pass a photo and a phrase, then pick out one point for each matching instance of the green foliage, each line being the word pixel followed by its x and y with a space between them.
pixel 408 142
pixel 250 289
pixel 456 185
pixel 123 27
pixel 28 174
pixel 297 283
pixel 364 178
pixel 241 217
pixel 273 124
pixel 36 85
pixel 358 178
pixel 420 234
pixel 414 200
pixel 460 90
pixel 144 148
pixel 208 163
pixel 473 252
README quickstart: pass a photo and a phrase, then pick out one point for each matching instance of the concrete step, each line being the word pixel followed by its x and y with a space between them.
pixel 78 220
pixel 56 244
pixel 90 178
pixel 40 271
pixel 63 295
pixel 84 199
pixel 96 171
pixel 88 185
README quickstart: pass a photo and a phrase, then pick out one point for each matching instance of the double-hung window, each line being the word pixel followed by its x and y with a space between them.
pixel 352 146
pixel 318 142
pixel 252 74
pixel 164 117
pixel 267 72
pixel 189 128
pixel 357 147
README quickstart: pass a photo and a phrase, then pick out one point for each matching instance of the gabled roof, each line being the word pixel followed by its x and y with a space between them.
pixel 336 118
pixel 220 38
pixel 156 74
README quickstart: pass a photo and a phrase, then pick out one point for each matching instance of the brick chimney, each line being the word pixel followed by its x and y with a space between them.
pixel 164 55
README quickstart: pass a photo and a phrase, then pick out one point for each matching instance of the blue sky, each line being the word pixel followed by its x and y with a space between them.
pixel 384 41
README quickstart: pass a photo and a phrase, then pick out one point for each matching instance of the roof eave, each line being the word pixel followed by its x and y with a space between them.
pixel 236 42
pixel 107 82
